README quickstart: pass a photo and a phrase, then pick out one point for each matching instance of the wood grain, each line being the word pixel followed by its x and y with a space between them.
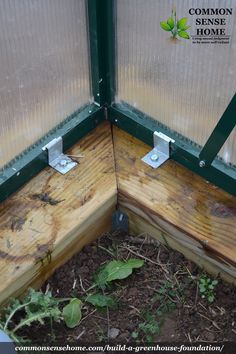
pixel 54 215
pixel 178 203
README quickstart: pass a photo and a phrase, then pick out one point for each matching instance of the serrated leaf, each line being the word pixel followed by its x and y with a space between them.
pixel 182 23
pixel 165 26
pixel 101 278
pixel 183 34
pixel 72 313
pixel 100 300
pixel 171 22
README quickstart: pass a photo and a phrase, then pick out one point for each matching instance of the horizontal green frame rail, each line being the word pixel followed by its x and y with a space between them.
pixel 33 160
pixel 220 134
pixel 183 151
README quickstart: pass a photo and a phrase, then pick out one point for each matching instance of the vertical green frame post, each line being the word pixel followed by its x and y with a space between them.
pixel 102 48
pixel 220 134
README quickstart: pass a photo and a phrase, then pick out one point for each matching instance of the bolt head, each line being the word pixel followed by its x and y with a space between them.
pixel 154 157
pixel 202 163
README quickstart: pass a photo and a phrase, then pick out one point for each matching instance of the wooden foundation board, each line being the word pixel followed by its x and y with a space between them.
pixel 53 216
pixel 177 206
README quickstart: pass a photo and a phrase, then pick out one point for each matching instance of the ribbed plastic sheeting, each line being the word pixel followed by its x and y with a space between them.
pixel 44 74
pixel 185 85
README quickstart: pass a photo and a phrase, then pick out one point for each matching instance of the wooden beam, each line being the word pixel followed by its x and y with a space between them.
pixel 54 216
pixel 176 206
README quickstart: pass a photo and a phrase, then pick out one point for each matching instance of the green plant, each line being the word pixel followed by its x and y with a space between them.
pixel 154 319
pixel 114 270
pixel 99 300
pixel 207 288
pixel 72 313
pixel 150 327
pixel 35 307
pixel 176 27
pixel 38 306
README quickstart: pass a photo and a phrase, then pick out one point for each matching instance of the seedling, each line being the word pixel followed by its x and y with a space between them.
pixel 114 270
pixel 37 307
pixel 207 288
pixel 154 319
pixel 175 26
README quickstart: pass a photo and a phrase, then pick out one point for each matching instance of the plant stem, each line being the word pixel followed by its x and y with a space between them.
pixel 27 321
pixel 13 313
pixel 64 299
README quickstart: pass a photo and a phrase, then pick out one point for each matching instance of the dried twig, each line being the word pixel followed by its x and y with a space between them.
pixel 146 258
pixel 196 296
pixel 89 314
pixel 81 284
pixel 80 335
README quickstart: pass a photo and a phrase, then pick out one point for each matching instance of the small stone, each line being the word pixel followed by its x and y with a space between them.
pixel 113 333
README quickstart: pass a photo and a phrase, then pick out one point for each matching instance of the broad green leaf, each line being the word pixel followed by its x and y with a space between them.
pixel 121 269
pixel 165 26
pixel 171 22
pixel 135 263
pixel 72 313
pixel 100 300
pixel 183 34
pixel 117 270
pixel 214 282
pixel 182 23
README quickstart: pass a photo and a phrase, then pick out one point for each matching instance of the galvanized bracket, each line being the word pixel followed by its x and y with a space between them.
pixel 161 151
pixel 56 159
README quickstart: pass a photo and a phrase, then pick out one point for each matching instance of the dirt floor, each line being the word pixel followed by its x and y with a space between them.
pixel 160 301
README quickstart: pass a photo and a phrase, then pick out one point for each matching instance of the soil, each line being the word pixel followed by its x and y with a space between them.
pixel 187 317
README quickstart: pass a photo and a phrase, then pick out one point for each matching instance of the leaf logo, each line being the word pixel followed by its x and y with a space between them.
pixel 178 28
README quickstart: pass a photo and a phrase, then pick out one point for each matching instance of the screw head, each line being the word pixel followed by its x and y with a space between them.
pixel 63 163
pixel 154 157
pixel 202 163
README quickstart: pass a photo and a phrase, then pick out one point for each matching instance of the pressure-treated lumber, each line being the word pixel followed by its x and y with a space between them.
pixel 54 215
pixel 176 206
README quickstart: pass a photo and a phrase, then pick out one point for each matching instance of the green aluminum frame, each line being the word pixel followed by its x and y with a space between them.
pixel 101 33
pixel 34 159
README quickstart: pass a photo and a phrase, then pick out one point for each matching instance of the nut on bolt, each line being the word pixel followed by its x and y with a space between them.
pixel 154 157
pixel 63 162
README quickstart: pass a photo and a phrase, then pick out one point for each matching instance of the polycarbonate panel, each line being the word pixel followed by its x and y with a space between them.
pixel 44 74
pixel 185 85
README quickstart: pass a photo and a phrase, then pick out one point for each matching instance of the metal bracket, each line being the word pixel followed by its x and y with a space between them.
pixel 161 151
pixel 56 159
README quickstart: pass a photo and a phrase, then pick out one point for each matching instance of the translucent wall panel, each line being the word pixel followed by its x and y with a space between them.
pixel 44 70
pixel 185 85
